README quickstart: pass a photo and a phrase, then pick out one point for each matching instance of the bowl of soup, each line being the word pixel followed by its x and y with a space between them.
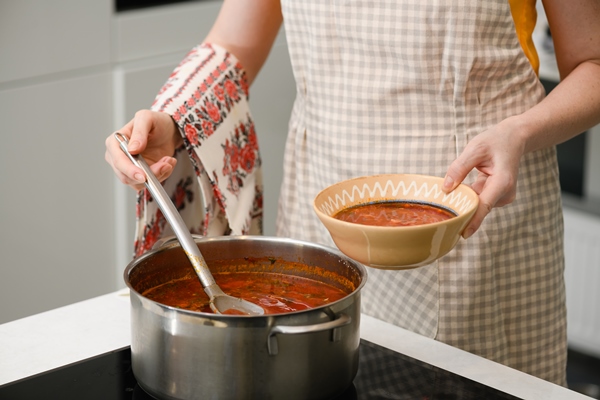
pixel 395 221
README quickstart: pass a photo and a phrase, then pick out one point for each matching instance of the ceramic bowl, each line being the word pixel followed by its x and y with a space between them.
pixel 401 247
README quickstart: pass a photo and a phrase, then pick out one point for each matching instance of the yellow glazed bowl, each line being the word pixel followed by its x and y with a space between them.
pixel 401 247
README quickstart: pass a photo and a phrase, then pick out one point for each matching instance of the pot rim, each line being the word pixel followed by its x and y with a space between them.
pixel 198 239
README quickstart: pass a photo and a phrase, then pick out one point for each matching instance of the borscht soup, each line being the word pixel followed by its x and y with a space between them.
pixel 276 293
pixel 394 213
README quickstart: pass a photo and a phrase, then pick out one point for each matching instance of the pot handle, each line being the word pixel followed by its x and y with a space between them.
pixel 341 320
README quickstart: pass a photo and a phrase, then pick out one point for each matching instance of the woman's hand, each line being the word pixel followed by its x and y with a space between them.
pixel 495 154
pixel 152 134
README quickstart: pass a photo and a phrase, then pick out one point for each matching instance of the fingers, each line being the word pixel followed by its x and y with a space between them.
pixel 483 210
pixel 495 155
pixel 163 168
pixel 138 132
pixel 456 174
pixel 123 168
pixel 131 175
pixel 494 191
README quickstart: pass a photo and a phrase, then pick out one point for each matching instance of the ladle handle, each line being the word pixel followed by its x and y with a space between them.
pixel 171 214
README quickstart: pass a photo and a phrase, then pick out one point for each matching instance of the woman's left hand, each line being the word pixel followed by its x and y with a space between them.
pixel 495 154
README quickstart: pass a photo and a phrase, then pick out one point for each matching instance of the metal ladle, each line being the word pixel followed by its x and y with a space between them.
pixel 219 301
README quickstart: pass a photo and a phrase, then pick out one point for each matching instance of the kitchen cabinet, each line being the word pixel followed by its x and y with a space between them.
pixel 55 239
pixel 42 38
pixel 55 84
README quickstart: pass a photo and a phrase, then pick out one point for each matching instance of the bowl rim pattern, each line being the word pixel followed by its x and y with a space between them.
pixel 397 187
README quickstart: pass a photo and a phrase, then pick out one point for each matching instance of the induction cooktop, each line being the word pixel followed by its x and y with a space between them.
pixel 382 374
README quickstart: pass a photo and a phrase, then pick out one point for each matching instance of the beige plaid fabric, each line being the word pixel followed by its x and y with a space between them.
pixel 401 86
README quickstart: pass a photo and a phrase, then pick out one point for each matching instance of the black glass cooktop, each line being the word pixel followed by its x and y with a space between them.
pixel 382 374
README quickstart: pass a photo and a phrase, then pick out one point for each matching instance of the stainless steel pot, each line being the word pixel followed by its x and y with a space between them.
pixel 180 354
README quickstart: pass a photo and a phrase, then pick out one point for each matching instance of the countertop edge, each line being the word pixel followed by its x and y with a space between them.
pixel 86 329
pixel 465 364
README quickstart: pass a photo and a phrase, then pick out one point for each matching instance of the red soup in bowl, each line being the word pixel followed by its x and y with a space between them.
pixel 394 213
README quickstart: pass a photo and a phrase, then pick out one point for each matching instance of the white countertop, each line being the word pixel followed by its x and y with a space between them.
pixel 89 328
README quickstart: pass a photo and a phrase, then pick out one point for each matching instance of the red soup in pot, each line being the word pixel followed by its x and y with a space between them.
pixel 275 292
pixel 394 213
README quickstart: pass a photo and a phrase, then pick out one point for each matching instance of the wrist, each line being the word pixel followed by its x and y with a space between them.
pixel 522 131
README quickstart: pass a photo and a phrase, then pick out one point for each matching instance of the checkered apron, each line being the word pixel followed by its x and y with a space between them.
pixel 394 86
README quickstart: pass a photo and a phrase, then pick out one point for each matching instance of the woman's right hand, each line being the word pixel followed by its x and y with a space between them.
pixel 152 134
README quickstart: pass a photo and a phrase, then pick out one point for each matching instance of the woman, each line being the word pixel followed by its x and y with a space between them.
pixel 414 87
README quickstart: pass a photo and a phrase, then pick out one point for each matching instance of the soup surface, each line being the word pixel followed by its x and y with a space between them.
pixel 394 213
pixel 276 293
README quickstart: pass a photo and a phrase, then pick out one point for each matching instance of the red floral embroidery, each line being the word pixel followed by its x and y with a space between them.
pixel 248 156
pixel 253 138
pixel 177 116
pixel 174 78
pixel 244 85
pixel 213 112
pixel 183 194
pixel 154 228
pixel 219 93
pixel 240 155
pixel 231 89
pixel 206 109
pixel 197 164
pixel 191 134
pixel 217 193
pixel 207 128
pixel 199 116
pixel 151 234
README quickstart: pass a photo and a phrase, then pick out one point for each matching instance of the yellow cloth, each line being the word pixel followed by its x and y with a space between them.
pixel 525 16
